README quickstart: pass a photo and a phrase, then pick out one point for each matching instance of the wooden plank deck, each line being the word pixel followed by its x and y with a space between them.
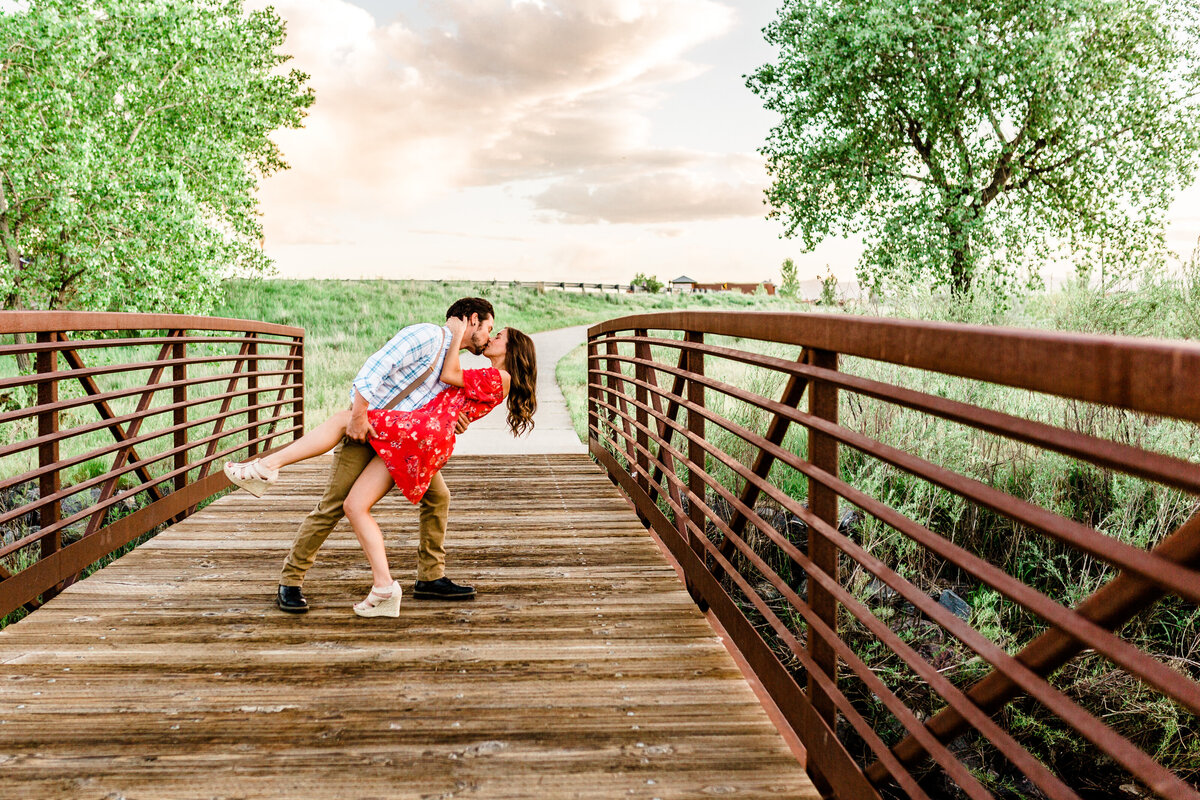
pixel 582 669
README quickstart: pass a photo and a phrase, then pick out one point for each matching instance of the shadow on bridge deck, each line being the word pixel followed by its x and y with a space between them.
pixel 582 670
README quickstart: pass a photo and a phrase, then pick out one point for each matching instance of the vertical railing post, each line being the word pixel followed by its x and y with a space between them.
pixel 298 389
pixel 823 503
pixel 593 389
pixel 695 424
pixel 616 399
pixel 642 373
pixel 48 483
pixel 610 382
pixel 252 395
pixel 178 399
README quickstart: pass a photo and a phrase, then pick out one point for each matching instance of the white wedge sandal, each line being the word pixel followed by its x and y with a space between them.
pixel 380 605
pixel 251 476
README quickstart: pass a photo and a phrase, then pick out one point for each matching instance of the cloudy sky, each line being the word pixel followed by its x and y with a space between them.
pixel 534 140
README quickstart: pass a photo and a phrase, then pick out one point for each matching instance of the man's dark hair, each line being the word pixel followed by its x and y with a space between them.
pixel 466 306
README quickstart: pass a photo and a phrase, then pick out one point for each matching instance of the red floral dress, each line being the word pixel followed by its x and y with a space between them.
pixel 416 444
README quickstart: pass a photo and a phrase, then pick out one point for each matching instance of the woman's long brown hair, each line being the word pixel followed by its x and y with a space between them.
pixel 520 361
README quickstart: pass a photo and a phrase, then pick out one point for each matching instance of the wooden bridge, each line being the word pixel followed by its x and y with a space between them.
pixel 583 669
pixel 698 629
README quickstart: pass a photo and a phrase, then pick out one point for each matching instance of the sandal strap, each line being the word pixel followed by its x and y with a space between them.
pixel 374 598
pixel 252 469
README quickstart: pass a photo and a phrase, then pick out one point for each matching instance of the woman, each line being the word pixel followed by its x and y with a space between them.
pixel 411 446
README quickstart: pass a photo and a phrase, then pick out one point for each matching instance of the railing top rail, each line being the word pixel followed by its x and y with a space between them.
pixel 1090 367
pixel 43 321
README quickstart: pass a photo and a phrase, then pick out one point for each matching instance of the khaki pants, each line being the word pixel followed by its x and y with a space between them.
pixel 350 458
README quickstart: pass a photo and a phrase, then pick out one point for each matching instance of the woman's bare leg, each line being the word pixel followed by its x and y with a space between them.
pixel 319 440
pixel 371 486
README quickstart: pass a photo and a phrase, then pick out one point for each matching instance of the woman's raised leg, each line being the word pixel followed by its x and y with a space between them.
pixel 320 439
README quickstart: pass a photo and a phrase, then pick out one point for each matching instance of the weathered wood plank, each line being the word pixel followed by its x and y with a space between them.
pixel 583 669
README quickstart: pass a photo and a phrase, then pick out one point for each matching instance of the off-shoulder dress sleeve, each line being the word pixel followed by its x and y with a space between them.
pixel 484 385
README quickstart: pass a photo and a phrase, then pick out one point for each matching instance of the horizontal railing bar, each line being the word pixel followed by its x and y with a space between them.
pixel 1136 662
pixel 145 485
pixel 121 444
pixel 86 344
pixel 1168 470
pixel 1178 579
pixel 92 399
pixel 71 321
pixel 141 366
pixel 938 682
pixel 1108 740
pixel 71 433
pixel 1152 376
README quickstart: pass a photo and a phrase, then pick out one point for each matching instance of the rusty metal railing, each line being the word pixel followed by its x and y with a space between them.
pixel 112 424
pixel 699 416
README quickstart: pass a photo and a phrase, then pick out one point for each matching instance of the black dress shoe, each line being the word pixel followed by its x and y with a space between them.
pixel 291 599
pixel 442 589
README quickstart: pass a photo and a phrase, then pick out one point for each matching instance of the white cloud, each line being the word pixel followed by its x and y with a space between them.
pixel 491 92
pixel 704 188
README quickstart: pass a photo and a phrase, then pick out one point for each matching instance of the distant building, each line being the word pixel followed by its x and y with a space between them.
pixel 744 288
pixel 683 284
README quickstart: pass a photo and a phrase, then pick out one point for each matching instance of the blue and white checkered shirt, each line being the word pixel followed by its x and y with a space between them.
pixel 401 361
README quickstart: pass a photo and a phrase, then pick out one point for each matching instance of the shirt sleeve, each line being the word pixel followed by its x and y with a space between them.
pixel 416 344
pixel 484 385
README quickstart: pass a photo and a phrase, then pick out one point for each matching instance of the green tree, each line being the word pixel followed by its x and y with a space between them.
pixel 789 284
pixel 132 137
pixel 968 139
pixel 648 283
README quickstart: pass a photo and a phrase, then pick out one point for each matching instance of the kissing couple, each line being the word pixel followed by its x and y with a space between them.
pixel 407 405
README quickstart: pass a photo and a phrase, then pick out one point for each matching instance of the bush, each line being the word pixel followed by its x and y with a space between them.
pixel 647 283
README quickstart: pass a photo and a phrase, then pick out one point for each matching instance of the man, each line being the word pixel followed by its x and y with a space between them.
pixel 404 374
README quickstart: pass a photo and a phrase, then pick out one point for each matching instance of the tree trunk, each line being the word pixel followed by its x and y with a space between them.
pixel 24 365
pixel 962 260
pixel 960 271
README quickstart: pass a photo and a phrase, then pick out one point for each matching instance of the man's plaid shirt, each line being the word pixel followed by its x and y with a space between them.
pixel 401 361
